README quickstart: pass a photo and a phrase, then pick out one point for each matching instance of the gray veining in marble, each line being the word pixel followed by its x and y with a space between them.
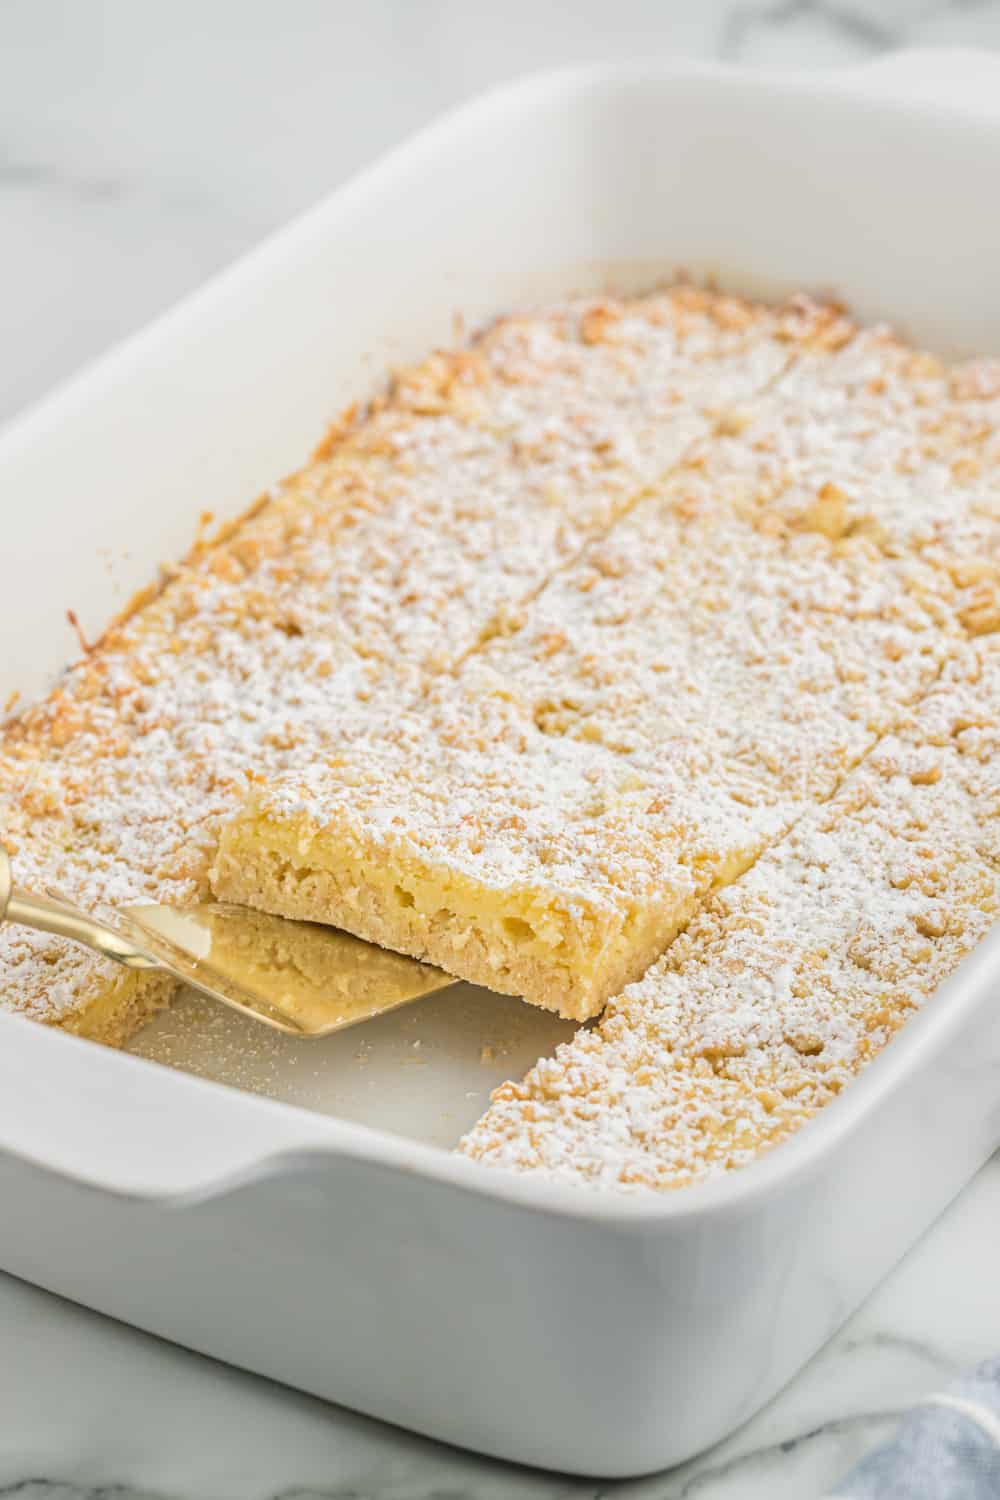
pixel 142 147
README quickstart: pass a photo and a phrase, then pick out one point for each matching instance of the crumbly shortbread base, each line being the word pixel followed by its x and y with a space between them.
pixel 793 978
pixel 557 955
pixel 121 1007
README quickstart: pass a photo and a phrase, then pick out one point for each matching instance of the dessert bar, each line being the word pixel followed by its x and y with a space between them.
pixel 544 820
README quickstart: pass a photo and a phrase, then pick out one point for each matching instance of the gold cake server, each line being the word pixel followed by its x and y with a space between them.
pixel 298 977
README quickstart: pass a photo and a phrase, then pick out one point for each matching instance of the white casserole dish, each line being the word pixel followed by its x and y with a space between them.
pixel 595 1333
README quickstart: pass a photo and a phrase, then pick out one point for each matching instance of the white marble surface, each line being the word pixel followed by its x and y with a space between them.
pixel 143 146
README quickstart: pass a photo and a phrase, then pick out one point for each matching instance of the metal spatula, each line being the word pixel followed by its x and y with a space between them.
pixel 295 976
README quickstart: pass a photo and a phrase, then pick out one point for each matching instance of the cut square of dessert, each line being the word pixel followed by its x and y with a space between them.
pixel 790 980
pixel 494 465
pixel 788 653
pixel 546 819
pixel 873 438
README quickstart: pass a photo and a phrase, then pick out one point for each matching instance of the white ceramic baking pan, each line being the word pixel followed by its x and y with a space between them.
pixel 596 1333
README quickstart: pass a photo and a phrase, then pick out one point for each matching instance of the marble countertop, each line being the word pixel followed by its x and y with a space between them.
pixel 142 148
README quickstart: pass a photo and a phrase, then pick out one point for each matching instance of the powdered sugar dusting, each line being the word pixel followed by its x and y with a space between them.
pixel 792 978
pixel 381 563
pixel 658 713
pixel 666 707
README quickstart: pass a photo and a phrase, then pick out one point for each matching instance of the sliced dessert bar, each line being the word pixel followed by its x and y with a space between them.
pixel 547 818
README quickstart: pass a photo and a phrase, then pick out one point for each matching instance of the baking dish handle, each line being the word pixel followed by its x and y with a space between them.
pixel 955 78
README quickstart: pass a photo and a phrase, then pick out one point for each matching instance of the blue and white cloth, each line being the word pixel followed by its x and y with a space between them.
pixel 947 1448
